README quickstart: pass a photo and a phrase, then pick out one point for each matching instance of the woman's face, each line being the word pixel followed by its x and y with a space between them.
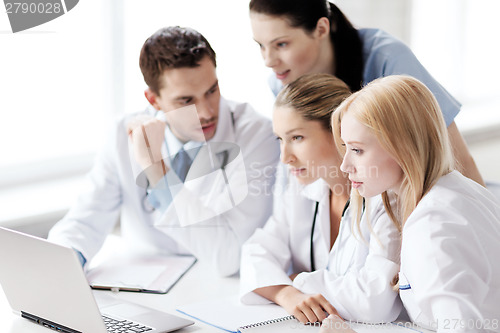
pixel 306 147
pixel 372 170
pixel 290 52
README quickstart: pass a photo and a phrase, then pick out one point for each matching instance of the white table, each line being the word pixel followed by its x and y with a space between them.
pixel 198 284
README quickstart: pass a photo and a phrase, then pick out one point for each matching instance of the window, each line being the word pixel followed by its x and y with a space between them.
pixel 56 98
pixel 454 39
pixel 56 94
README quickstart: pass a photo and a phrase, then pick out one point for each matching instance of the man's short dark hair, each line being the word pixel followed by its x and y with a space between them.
pixel 169 48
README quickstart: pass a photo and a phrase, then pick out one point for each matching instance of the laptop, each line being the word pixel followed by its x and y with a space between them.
pixel 45 283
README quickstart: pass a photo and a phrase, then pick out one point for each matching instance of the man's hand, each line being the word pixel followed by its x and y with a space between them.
pixel 146 134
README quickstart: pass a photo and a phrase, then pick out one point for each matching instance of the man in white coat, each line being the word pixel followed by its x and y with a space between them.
pixel 192 174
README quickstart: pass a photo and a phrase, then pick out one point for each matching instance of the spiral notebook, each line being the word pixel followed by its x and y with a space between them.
pixel 282 324
pixel 229 315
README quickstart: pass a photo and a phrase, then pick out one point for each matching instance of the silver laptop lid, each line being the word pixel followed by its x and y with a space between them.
pixel 55 289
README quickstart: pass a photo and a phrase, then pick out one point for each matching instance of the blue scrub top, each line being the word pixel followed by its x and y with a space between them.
pixel 385 55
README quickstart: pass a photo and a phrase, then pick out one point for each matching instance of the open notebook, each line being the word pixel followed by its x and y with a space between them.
pixel 229 315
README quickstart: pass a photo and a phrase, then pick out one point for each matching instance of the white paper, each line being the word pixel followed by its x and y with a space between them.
pixel 121 266
pixel 137 276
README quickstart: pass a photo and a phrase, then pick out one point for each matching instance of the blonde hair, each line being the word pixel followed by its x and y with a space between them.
pixel 407 121
pixel 314 97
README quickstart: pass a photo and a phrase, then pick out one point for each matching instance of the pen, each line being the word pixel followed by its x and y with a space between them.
pixel 117 289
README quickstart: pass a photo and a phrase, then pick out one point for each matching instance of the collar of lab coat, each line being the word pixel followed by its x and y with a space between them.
pixel 316 191
pixel 225 126
pixel 174 145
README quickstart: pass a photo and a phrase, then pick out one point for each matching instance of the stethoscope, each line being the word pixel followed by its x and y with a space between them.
pixel 313 266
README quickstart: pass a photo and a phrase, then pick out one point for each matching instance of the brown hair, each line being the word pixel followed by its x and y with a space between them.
pixel 314 97
pixel 169 48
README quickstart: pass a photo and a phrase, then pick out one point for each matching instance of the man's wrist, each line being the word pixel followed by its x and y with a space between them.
pixel 156 172
pixel 147 158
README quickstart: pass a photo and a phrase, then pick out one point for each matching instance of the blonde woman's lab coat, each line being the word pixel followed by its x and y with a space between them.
pixel 354 276
pixel 112 193
pixel 450 255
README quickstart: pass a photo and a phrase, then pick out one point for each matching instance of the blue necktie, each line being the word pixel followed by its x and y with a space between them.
pixel 181 164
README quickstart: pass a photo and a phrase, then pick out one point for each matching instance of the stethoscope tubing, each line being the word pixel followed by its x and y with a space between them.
pixel 313 266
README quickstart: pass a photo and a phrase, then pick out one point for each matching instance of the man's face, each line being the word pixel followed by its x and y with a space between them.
pixel 186 86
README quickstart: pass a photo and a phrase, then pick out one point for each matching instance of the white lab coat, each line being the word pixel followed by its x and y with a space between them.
pixel 450 271
pixel 112 192
pixel 355 276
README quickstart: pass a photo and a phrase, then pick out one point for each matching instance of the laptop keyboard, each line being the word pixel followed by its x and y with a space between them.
pixel 123 326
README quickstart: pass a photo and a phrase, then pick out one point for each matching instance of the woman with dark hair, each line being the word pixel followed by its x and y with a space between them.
pixel 299 37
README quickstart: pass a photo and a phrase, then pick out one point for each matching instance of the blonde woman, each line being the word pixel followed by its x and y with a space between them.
pixel 307 258
pixel 395 142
